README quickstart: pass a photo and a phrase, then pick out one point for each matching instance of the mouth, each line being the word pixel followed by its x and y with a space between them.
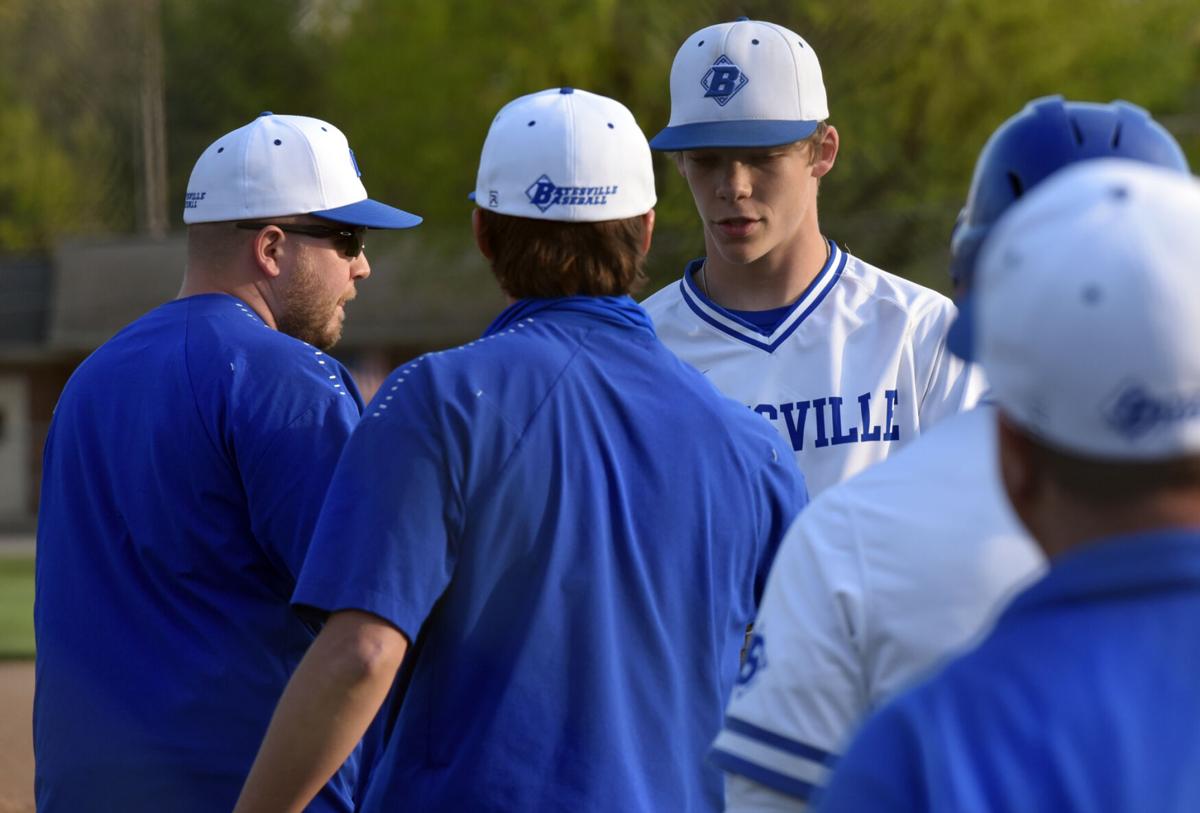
pixel 737 226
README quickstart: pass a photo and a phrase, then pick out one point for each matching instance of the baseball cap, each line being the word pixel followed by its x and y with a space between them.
pixel 284 165
pixel 1047 135
pixel 1088 311
pixel 743 84
pixel 568 155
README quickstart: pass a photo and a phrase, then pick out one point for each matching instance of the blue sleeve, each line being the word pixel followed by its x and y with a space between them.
pixel 386 539
pixel 881 770
pixel 287 432
pixel 286 476
pixel 786 496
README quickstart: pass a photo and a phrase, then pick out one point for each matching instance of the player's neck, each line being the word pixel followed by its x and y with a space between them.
pixel 196 283
pixel 774 280
pixel 1067 525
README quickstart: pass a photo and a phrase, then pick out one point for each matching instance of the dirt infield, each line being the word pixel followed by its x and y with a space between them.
pixel 16 743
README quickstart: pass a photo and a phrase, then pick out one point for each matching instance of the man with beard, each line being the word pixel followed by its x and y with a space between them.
pixel 184 470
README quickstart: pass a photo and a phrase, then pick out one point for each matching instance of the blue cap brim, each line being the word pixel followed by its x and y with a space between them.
pixel 960 338
pixel 372 214
pixel 717 134
pixel 471 197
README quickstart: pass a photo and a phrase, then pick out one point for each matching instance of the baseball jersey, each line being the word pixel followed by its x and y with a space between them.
pixel 856 368
pixel 184 472
pixel 572 528
pixel 880 578
pixel 1083 698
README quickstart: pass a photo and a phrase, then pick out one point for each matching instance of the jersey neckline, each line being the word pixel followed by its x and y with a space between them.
pixel 734 326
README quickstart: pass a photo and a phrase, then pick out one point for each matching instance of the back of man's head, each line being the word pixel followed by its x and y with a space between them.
pixel 565 196
pixel 1088 327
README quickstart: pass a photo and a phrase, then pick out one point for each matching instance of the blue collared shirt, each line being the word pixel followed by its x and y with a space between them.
pixel 572 527
pixel 184 472
pixel 1085 697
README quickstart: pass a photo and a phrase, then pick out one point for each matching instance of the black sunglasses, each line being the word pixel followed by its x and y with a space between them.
pixel 350 240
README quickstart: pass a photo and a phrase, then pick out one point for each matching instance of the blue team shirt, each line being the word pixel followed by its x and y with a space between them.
pixel 184 471
pixel 1085 697
pixel 573 528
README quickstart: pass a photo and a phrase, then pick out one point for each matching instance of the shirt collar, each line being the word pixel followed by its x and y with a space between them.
pixel 1149 562
pixel 621 310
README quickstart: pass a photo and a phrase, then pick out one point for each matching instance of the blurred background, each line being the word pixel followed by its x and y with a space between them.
pixel 105 105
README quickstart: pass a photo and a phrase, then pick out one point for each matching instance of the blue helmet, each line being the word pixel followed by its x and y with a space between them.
pixel 1047 135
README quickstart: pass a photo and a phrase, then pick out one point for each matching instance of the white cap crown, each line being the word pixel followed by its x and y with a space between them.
pixel 1088 302
pixel 567 155
pixel 743 84
pixel 284 165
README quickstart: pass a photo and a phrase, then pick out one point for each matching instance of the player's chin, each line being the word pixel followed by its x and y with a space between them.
pixel 741 252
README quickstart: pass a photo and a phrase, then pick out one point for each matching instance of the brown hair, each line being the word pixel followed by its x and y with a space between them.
pixel 549 258
pixel 1104 481
pixel 814 141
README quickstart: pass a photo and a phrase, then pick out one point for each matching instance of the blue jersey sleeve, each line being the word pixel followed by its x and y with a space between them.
pixel 786 495
pixel 386 539
pixel 880 772
pixel 286 478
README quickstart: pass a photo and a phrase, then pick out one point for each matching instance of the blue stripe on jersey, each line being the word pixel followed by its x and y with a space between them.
pixel 783 783
pixel 738 328
pixel 795 747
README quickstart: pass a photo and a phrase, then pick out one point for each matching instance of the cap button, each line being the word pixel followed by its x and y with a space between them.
pixel 742 19
pixel 565 91
pixel 265 113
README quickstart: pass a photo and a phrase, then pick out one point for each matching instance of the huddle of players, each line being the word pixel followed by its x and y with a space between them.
pixel 537 553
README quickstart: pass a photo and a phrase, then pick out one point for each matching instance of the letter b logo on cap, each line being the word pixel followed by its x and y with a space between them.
pixel 723 80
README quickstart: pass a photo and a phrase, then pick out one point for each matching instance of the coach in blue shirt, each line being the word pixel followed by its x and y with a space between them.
pixel 560 529
pixel 1086 317
pixel 184 471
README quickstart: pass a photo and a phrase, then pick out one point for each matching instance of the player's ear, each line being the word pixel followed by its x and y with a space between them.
pixel 481 234
pixel 678 156
pixel 825 152
pixel 268 247
pixel 647 237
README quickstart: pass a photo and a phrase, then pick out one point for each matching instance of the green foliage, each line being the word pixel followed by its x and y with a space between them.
pixel 16 607
pixel 915 87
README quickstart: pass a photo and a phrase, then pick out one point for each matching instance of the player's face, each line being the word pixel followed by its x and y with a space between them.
pixel 317 287
pixel 756 202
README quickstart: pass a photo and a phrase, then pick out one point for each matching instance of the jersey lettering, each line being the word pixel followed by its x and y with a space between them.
pixel 893 398
pixel 831 425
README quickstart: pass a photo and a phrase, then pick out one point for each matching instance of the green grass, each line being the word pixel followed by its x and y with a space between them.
pixel 16 607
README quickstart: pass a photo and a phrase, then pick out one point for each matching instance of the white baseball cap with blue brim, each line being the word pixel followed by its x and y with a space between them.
pixel 567 155
pixel 277 166
pixel 743 84
pixel 1086 311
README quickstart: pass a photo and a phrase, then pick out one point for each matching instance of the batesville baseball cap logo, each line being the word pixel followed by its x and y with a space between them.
pixel 543 193
pixel 723 80
pixel 1135 411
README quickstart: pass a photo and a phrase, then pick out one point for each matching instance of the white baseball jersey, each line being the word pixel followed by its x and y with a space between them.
pixel 858 368
pixel 875 582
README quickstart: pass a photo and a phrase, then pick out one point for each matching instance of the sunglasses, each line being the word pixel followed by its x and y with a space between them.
pixel 350 240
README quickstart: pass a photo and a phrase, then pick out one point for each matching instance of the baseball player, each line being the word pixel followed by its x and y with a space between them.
pixel 184 471
pixel 846 361
pixel 1083 696
pixel 887 573
pixel 509 523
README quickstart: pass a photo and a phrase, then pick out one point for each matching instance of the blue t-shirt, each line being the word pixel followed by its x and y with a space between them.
pixel 184 471
pixel 573 528
pixel 1085 697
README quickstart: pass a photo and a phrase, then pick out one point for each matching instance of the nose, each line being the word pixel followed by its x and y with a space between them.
pixel 734 183
pixel 360 267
